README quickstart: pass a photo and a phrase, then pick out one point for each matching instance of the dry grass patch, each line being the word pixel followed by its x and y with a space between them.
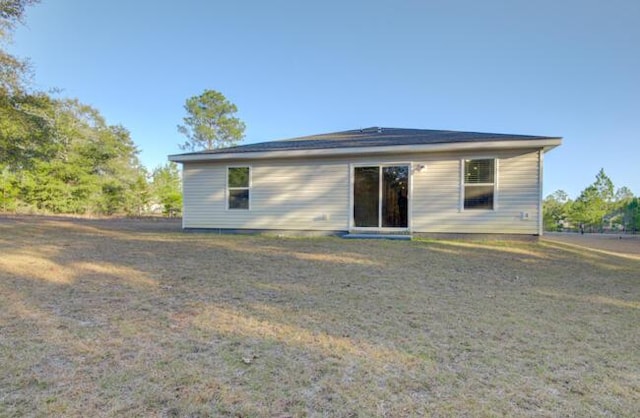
pixel 112 318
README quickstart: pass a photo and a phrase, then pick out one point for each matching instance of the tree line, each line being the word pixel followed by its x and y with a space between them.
pixel 59 155
pixel 600 207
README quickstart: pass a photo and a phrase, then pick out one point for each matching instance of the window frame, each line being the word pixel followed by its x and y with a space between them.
pixel 229 189
pixel 464 184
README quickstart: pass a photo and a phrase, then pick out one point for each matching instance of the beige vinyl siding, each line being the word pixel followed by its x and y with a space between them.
pixel 519 192
pixel 314 194
pixel 284 195
pixel 203 189
pixel 437 197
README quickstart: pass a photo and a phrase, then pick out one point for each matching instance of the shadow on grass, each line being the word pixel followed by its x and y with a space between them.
pixel 544 251
pixel 108 319
pixel 591 253
pixel 591 299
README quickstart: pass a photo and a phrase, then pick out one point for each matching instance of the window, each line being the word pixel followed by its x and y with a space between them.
pixel 479 183
pixel 239 186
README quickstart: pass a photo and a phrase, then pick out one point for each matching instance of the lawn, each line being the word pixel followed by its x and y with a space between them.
pixel 135 318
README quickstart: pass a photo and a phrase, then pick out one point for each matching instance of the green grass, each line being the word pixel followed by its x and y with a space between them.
pixel 132 318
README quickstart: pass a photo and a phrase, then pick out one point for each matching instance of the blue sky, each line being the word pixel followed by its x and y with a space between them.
pixel 567 68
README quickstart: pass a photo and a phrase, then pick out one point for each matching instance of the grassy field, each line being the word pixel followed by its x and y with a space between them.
pixel 134 318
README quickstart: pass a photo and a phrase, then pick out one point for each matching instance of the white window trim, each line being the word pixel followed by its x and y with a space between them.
pixel 228 189
pixel 380 165
pixel 496 168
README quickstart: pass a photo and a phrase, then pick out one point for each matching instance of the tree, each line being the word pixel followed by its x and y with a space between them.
pixel 13 71
pixel 26 128
pixel 8 190
pixel 623 195
pixel 625 209
pixel 594 202
pixel 166 188
pixel 210 122
pixel 59 155
pixel 604 186
pixel 632 215
pixel 24 122
pixel 85 166
pixel 12 11
pixel 555 210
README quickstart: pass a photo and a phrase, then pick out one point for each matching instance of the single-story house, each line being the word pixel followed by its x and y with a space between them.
pixel 381 180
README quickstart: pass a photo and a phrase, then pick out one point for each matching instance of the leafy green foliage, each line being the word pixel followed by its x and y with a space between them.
pixel 623 195
pixel 13 74
pixel 8 190
pixel 24 117
pixel 60 155
pixel 597 208
pixel 26 129
pixel 210 122
pixel 556 208
pixel 594 203
pixel 13 71
pixel 12 11
pixel 166 188
pixel 76 164
pixel 632 215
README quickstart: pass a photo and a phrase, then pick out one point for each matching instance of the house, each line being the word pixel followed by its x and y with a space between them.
pixel 383 180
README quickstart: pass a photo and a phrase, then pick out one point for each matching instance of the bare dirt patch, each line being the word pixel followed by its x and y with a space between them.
pixel 133 317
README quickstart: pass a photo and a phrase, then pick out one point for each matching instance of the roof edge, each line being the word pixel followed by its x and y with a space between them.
pixel 544 144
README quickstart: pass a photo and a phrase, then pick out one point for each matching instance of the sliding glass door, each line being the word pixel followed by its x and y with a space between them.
pixel 381 196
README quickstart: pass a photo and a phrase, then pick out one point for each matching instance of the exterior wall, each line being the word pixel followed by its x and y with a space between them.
pixel 284 194
pixel 314 194
pixel 437 205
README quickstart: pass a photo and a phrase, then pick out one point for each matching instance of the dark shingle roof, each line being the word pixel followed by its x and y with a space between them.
pixel 369 140
pixel 371 137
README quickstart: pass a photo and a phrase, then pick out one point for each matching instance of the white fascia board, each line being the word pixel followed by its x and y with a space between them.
pixel 545 144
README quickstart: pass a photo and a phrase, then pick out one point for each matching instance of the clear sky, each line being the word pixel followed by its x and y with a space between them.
pixel 567 68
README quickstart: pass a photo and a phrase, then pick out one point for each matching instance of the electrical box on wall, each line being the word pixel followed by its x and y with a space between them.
pixel 419 168
pixel 322 217
pixel 524 216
